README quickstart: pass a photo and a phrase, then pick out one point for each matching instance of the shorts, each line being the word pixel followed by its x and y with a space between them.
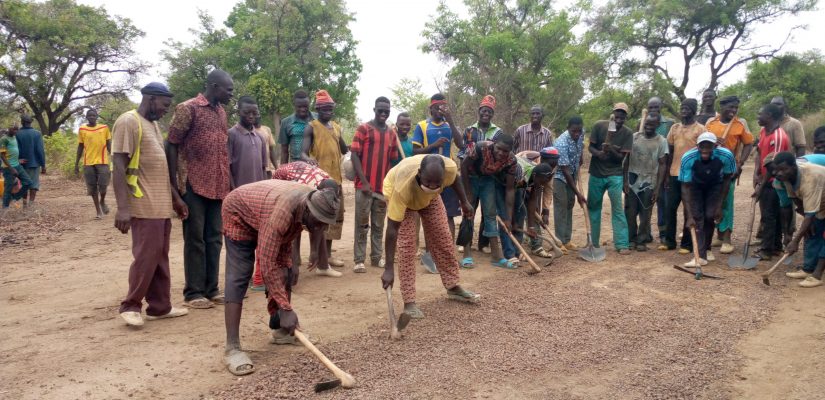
pixel 451 204
pixel 34 176
pixel 97 178
pixel 240 264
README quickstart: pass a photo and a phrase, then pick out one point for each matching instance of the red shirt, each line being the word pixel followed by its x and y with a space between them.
pixel 201 132
pixel 774 142
pixel 376 150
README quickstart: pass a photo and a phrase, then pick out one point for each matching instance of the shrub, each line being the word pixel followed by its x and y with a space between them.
pixel 61 148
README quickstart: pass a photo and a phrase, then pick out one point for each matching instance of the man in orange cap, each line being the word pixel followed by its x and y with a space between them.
pixel 324 146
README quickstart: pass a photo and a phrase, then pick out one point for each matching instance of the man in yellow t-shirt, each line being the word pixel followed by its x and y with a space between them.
pixel 411 188
pixel 739 141
pixel 94 144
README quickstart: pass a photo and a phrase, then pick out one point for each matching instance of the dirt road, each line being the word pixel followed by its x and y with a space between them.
pixel 630 327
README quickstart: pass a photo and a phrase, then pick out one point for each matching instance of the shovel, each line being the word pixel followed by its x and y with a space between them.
pixel 589 252
pixel 557 252
pixel 746 260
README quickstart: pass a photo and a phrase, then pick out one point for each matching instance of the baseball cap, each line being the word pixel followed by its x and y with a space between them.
pixel 706 137
pixel 621 106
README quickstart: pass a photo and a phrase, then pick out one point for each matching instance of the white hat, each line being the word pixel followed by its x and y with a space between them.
pixel 706 137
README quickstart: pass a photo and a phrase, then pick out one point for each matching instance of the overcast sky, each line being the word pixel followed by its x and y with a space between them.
pixel 389 36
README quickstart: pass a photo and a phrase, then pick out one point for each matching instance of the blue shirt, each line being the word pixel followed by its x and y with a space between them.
pixel 570 154
pixel 30 142
pixel 692 156
pixel 434 132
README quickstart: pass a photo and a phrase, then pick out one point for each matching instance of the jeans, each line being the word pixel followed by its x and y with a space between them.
pixel 704 201
pixel 595 196
pixel 519 213
pixel 772 233
pixel 673 199
pixel 369 216
pixel 563 202
pixel 814 246
pixel 638 208
pixel 25 184
pixel 726 224
pixel 202 244
pixel 484 192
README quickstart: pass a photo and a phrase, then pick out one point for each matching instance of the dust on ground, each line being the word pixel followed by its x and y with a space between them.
pixel 629 327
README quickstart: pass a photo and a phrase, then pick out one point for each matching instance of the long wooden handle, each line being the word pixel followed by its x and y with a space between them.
pixel 775 266
pixel 584 210
pixel 727 128
pixel 400 147
pixel 532 263
pixel 391 313
pixel 347 380
pixel 555 242
pixel 695 246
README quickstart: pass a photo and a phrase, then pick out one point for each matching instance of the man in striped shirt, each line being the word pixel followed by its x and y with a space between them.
pixel 373 147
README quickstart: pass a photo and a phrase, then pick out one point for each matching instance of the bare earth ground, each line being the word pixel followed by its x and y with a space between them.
pixel 630 327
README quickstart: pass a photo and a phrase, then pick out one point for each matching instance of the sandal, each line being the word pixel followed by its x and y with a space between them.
pixel 463 295
pixel 542 252
pixel 218 299
pixel 468 263
pixel 504 263
pixel 515 261
pixel 200 303
pixel 414 312
pixel 235 360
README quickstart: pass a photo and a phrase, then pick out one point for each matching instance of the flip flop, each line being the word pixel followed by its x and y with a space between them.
pixel 414 313
pixel 199 303
pixel 504 263
pixel 235 359
pixel 468 263
pixel 463 295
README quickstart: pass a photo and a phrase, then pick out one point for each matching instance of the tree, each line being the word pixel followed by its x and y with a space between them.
pixel 408 97
pixel 522 53
pixel 58 54
pixel 712 34
pixel 272 48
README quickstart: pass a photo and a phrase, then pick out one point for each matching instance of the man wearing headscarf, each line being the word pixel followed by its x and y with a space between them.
pixel 324 146
pixel 145 203
pixel 733 135
pixel 263 218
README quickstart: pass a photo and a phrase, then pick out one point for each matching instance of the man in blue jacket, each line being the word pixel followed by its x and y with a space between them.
pixel 32 156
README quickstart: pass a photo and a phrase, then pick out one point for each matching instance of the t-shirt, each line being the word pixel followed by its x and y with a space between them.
pixel 375 150
pixel 682 138
pixel 612 166
pixel 810 187
pixel 664 126
pixel 8 145
pixel 775 142
pixel 737 134
pixel 783 188
pixel 407 147
pixel 644 161
pixel 721 158
pixel 402 191
pixel 248 156
pixel 795 131
pixel 483 162
pixel 94 140
pixel 153 173
pixel 433 133
pixel 266 133
pixel 292 135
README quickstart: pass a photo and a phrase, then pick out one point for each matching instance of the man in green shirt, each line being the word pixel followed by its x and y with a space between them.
pixel 12 170
pixel 291 135
pixel 610 144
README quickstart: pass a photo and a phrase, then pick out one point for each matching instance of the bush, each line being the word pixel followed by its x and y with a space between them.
pixel 810 122
pixel 61 148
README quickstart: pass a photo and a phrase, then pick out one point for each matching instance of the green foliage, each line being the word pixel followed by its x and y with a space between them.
pixel 798 78
pixel 408 97
pixel 523 53
pixel 61 148
pixel 272 48
pixel 57 54
pixel 641 37
pixel 109 108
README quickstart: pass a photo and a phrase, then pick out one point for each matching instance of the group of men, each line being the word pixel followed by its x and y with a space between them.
pixel 230 185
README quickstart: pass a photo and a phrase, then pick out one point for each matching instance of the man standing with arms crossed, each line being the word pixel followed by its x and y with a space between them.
pixel 198 132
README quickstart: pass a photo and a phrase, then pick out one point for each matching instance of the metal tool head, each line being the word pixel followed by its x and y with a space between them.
pixel 549 246
pixel 742 262
pixel 428 263
pixel 403 320
pixel 592 254
pixel 322 386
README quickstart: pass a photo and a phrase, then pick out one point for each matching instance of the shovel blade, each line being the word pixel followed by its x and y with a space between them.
pixel 592 254
pixel 322 386
pixel 742 262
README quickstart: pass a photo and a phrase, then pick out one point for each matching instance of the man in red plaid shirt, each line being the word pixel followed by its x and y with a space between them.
pixel 264 218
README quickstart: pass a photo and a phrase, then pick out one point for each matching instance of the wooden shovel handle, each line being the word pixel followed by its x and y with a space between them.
pixel 532 263
pixel 775 266
pixel 347 380
pixel 695 245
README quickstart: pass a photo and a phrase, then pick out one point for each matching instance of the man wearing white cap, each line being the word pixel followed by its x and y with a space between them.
pixel 705 175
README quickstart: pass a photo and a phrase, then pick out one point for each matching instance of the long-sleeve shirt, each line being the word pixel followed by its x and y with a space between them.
pixel 270 213
pixel 30 142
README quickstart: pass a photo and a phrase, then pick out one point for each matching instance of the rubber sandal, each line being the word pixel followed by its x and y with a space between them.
pixel 235 359
pixel 504 263
pixel 468 263
pixel 200 303
pixel 515 261
pixel 218 299
pixel 463 295
pixel 414 312
pixel 542 252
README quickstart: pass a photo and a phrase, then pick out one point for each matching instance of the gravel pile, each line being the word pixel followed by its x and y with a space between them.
pixel 576 331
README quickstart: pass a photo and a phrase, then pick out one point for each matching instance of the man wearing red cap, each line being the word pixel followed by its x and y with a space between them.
pixel 324 146
pixel 610 144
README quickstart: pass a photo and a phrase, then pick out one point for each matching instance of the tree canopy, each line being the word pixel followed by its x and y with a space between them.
pixel 57 55
pixel 522 53
pixel 272 48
